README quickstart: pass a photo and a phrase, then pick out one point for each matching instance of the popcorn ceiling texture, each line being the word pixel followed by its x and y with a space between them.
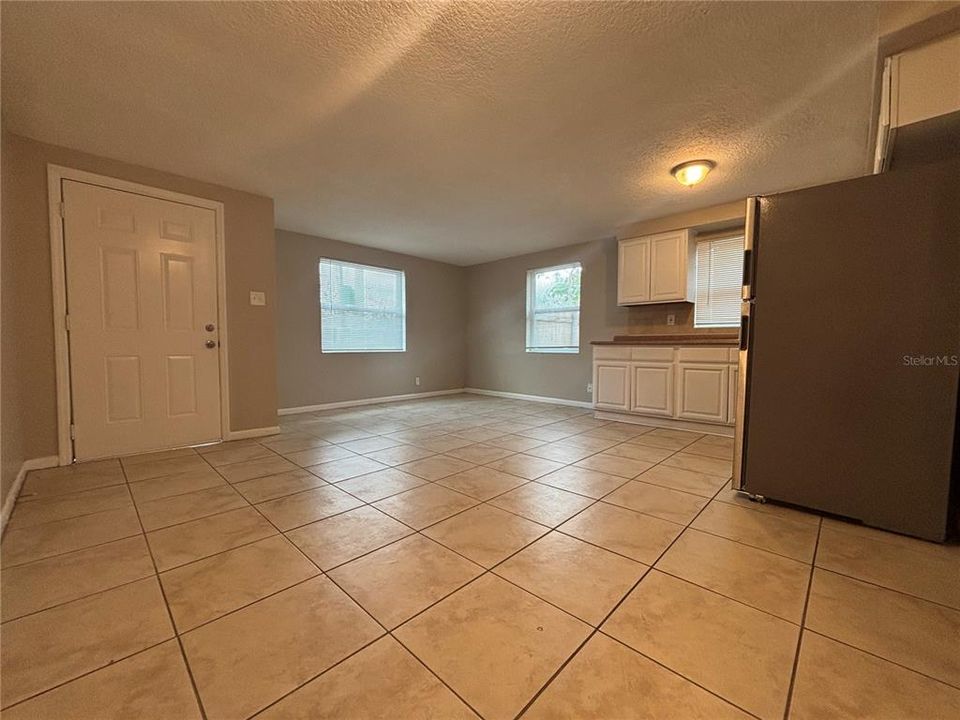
pixel 461 132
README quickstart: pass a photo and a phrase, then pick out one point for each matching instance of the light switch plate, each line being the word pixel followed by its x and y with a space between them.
pixel 258 298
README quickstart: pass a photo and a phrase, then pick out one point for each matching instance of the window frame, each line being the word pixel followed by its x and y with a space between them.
pixel 731 235
pixel 402 314
pixel 531 310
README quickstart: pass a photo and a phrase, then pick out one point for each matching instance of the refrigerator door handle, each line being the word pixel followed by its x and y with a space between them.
pixel 740 411
pixel 749 243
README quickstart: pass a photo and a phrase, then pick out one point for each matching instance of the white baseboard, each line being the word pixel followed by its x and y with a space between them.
pixel 252 433
pixel 691 426
pixel 33 464
pixel 367 401
pixel 532 398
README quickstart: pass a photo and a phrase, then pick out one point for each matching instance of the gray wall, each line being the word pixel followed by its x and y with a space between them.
pixel 496 311
pixel 436 312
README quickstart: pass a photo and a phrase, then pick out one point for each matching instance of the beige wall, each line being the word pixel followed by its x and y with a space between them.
pixel 436 311
pixel 496 311
pixel 28 380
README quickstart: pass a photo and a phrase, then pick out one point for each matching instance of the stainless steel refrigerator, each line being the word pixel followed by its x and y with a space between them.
pixel 849 345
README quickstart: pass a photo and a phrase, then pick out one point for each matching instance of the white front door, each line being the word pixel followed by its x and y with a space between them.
pixel 142 319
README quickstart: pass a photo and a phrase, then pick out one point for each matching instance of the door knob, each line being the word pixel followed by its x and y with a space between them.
pixel 211 343
pixel 209 327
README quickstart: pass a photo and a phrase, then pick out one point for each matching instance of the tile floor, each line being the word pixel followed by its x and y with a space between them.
pixel 456 557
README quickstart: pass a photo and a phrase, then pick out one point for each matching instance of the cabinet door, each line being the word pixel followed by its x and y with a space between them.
pixel 633 271
pixel 668 266
pixel 733 373
pixel 702 392
pixel 652 389
pixel 611 385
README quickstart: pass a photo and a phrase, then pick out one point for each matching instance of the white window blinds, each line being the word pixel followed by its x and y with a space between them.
pixel 719 278
pixel 553 309
pixel 362 308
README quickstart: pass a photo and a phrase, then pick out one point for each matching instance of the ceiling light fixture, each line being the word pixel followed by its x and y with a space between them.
pixel 693 171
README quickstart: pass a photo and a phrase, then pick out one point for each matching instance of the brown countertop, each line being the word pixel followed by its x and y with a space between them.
pixel 722 339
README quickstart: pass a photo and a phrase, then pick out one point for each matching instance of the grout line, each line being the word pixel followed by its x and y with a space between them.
pixel 803 622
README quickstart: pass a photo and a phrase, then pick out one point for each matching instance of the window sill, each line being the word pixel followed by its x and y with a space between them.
pixel 359 352
pixel 553 351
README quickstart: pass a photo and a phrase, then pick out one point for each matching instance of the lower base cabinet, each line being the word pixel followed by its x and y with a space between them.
pixel 611 385
pixel 702 392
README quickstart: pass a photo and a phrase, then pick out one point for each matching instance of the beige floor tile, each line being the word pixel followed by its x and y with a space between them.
pixel 485 534
pixel 561 451
pixel 516 443
pixel 582 579
pixel 178 484
pixel 689 481
pixel 481 483
pixel 242 453
pixel 582 481
pixel 548 433
pixel 381 484
pixel 928 571
pixel 624 531
pixel 914 633
pixel 713 446
pixel 370 444
pixel 338 470
pixel 49 648
pixel 743 655
pixel 339 434
pixel 271 487
pixel 206 589
pixel 526 466
pixel 71 478
pixel 308 506
pixel 22 546
pixel 161 468
pixel 768 582
pixel 443 443
pixel 343 537
pixel 791 538
pixel 246 660
pixel 219 447
pixel 646 453
pixel 400 454
pixel 425 505
pixel 62 507
pixel 404 688
pixel 181 544
pixel 838 681
pixel 238 472
pixel 318 454
pixel 609 680
pixel 588 442
pixel 45 583
pixel 620 431
pixel 615 465
pixel 541 503
pixel 436 467
pixel 494 644
pixel 396 582
pixel 156 514
pixel 733 497
pixel 151 685
pixel 701 463
pixel 479 453
pixel 291 443
pixel 673 505
pixel 478 434
pixel 666 439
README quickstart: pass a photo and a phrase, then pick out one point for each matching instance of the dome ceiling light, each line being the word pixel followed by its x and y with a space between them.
pixel 692 172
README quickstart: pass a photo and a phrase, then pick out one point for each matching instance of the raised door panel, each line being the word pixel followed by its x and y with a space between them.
pixel 611 385
pixel 652 389
pixel 702 392
pixel 668 267
pixel 633 271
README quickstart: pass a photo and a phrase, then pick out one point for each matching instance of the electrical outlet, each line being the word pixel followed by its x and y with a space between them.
pixel 671 319
pixel 417 380
pixel 590 388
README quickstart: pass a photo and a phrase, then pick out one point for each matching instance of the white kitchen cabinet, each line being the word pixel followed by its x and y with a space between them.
pixel 652 392
pixel 655 269
pixel 611 385
pixel 702 391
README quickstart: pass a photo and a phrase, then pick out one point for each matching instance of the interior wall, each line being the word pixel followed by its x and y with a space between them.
pixel 496 311
pixel 436 311
pixel 28 376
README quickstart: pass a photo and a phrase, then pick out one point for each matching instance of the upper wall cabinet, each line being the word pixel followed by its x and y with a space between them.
pixel 655 269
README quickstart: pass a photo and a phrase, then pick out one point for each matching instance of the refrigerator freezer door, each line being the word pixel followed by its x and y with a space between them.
pixel 852 376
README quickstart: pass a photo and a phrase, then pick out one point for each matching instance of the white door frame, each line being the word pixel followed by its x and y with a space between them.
pixel 57 173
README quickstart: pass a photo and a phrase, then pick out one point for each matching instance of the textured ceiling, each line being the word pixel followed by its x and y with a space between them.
pixel 462 132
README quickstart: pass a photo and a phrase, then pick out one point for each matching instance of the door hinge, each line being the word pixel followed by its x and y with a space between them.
pixel 66 322
pixel 73 431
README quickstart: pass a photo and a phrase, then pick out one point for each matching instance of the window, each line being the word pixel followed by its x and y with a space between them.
pixel 362 308
pixel 553 309
pixel 719 278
